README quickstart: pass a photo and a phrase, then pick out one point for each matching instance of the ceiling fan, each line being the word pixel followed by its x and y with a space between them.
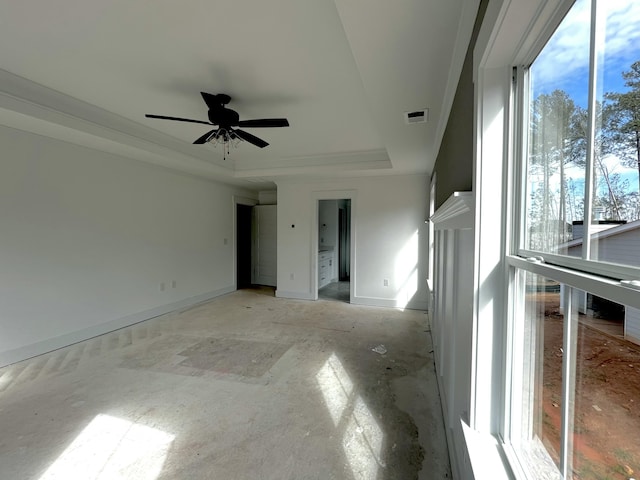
pixel 225 119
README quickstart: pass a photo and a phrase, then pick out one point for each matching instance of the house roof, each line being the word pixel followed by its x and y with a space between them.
pixel 344 72
pixel 610 232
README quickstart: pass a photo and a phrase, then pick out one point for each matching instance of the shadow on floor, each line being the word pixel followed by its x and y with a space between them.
pixel 260 290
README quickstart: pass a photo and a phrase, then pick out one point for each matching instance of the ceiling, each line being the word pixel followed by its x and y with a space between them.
pixel 343 72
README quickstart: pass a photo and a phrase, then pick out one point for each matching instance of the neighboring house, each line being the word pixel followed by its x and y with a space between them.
pixel 614 242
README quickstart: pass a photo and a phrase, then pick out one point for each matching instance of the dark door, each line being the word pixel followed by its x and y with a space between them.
pixel 243 245
pixel 344 241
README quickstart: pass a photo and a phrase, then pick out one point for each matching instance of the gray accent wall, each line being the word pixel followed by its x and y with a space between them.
pixel 454 163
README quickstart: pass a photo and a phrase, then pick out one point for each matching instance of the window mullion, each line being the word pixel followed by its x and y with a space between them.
pixel 521 146
pixel 595 38
pixel 568 382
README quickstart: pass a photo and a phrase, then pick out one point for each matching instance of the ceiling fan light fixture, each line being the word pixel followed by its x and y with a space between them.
pixel 226 138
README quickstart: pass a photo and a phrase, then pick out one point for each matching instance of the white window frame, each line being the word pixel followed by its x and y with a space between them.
pixel 431 233
pixel 512 33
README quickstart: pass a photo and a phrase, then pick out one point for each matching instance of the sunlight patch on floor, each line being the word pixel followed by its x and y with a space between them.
pixel 362 442
pixel 363 438
pixel 6 379
pixel 112 448
pixel 336 387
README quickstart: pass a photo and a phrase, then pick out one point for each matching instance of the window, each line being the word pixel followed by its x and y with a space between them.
pixel 582 110
pixel 575 384
pixel 572 400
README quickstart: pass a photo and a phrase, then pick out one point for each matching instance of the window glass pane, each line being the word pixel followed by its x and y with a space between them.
pixel 537 375
pixel 558 98
pixel 606 440
pixel 602 384
pixel 617 150
pixel 560 134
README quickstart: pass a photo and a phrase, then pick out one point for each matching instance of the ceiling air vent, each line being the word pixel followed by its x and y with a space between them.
pixel 418 116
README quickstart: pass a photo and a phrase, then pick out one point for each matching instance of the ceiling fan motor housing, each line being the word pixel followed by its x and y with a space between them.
pixel 223 116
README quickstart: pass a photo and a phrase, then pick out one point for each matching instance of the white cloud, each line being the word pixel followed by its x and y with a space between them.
pixel 565 58
pixel 622 33
pixel 567 51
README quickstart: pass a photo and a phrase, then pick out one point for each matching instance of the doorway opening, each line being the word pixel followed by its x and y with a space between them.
pixel 256 246
pixel 243 246
pixel 334 249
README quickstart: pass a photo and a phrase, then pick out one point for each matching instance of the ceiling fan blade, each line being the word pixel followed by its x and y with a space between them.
pixel 264 123
pixel 205 138
pixel 178 119
pixel 247 137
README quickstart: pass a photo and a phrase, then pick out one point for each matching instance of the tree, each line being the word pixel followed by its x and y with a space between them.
pixel 559 137
pixel 605 143
pixel 617 203
pixel 625 119
pixel 550 145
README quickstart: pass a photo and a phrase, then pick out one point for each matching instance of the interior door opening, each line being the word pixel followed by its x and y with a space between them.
pixel 334 249
pixel 243 246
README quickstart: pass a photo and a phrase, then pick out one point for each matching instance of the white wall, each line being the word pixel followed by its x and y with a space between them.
pixel 87 238
pixel 388 228
pixel 268 197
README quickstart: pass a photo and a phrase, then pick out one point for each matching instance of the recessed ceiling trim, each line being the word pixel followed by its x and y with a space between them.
pixel 33 100
pixel 314 169
pixel 337 158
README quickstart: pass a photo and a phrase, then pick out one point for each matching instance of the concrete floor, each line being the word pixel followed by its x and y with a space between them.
pixel 246 386
pixel 339 291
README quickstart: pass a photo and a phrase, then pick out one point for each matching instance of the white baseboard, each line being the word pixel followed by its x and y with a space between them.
pixel 359 300
pixel 38 348
pixel 294 295
pixel 389 303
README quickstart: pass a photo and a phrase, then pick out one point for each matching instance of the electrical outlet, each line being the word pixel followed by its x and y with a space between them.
pixel 162 286
pixel 291 276
pixel 385 282
pixel 226 241
pixel 173 283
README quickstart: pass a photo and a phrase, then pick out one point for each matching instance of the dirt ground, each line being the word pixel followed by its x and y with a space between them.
pixel 607 414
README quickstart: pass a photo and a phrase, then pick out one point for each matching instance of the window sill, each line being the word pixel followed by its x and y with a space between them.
pixel 486 456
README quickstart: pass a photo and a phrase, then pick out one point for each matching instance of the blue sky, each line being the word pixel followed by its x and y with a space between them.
pixel 564 62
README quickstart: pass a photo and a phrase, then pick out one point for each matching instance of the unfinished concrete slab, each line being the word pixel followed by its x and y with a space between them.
pixel 245 386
